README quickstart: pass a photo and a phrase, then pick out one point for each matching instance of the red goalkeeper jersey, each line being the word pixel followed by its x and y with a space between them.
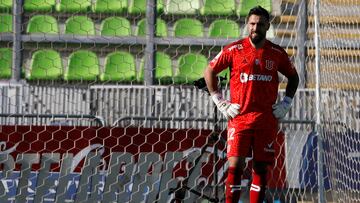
pixel 254 80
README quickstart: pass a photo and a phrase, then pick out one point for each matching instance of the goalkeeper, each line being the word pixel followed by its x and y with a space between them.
pixel 252 111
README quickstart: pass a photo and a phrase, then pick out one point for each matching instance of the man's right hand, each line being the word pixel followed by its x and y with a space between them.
pixel 229 110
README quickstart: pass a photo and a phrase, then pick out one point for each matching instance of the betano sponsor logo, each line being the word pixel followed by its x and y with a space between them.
pixel 244 77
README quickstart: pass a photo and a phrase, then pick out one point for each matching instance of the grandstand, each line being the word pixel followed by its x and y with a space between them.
pixel 117 69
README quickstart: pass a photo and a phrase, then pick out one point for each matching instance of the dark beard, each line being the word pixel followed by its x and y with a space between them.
pixel 257 39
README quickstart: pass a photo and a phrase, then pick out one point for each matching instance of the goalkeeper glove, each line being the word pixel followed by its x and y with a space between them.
pixel 281 108
pixel 229 110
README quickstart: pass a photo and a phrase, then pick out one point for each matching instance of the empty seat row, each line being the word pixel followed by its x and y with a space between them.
pixel 118 26
pixel 79 25
pixel 119 66
pixel 208 7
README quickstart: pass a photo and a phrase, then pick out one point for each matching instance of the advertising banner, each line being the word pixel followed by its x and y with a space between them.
pixel 89 164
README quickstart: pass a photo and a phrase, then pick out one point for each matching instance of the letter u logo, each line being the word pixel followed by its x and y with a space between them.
pixel 255 188
pixel 269 64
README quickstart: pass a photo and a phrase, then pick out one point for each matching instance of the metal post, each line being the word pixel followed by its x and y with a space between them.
pixel 302 25
pixel 150 64
pixel 17 24
pixel 216 157
pixel 321 192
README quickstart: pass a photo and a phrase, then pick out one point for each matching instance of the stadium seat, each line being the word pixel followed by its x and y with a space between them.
pixel 6 6
pixel 225 74
pixel 182 7
pixel 119 66
pixel 163 70
pixel 73 6
pixel 224 28
pixel 161 28
pixel 188 27
pixel 246 5
pixel 115 26
pixel 43 24
pixel 39 5
pixel 82 66
pixel 191 67
pixel 6 23
pixel 139 6
pixel 79 25
pixel 110 6
pixel 5 63
pixel 218 7
pixel 45 65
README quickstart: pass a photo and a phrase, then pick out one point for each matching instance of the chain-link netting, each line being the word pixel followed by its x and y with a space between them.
pixel 99 103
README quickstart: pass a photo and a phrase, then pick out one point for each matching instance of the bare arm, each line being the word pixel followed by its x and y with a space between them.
pixel 292 85
pixel 229 110
pixel 211 80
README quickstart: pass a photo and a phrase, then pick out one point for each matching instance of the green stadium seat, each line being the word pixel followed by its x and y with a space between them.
pixel 43 24
pixel 39 5
pixel 79 25
pixel 6 6
pixel 218 7
pixel 6 23
pixel 191 67
pixel 163 70
pixel 115 26
pixel 5 63
pixel 110 6
pixel 73 6
pixel 45 65
pixel 245 6
pixel 139 6
pixel 224 28
pixel 225 74
pixel 182 7
pixel 119 66
pixel 82 66
pixel 161 28
pixel 188 27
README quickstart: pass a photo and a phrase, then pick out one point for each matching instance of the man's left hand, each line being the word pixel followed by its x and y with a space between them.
pixel 281 108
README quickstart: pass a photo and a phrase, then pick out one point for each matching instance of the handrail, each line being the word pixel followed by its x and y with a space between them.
pixel 162 119
pixel 131 40
pixel 98 119
pixel 310 122
pixel 173 41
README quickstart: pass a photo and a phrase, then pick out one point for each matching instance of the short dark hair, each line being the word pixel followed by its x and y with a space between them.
pixel 259 11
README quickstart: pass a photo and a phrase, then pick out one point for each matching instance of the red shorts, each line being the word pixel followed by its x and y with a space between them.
pixel 256 142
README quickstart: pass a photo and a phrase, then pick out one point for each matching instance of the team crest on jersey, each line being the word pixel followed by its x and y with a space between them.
pixel 269 64
pixel 239 46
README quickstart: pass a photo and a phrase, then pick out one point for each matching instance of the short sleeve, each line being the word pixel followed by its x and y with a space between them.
pixel 286 66
pixel 221 61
